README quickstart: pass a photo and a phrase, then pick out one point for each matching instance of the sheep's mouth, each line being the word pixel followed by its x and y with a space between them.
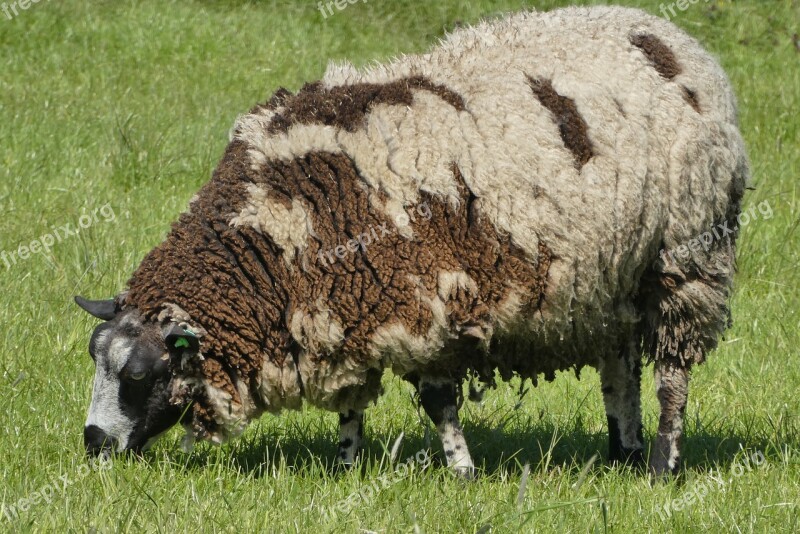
pixel 110 449
pixel 98 443
pixel 101 453
pixel 109 453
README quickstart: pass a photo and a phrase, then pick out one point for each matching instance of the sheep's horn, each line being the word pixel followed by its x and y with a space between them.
pixel 102 309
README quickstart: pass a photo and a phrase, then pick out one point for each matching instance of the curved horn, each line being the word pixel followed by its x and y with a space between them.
pixel 102 309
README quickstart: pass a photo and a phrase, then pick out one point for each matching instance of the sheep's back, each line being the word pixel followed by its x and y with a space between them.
pixel 580 142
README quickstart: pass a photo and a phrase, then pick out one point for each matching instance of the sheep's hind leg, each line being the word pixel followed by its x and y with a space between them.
pixel 672 390
pixel 620 377
pixel 439 398
pixel 351 430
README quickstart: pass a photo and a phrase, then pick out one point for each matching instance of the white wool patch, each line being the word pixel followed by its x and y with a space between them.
pixel 228 413
pixel 297 142
pixel 252 125
pixel 279 386
pixel 451 283
pixel 396 212
pixel 316 332
pixel 289 228
pixel 404 352
pixel 171 314
pixel 397 348
pixel 322 382
pixel 436 306
pixel 507 311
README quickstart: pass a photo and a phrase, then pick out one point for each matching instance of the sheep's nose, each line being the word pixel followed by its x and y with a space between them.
pixel 97 441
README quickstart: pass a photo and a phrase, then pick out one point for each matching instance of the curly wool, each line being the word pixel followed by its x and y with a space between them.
pixel 524 175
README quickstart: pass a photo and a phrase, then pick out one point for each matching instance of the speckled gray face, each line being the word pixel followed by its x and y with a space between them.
pixel 130 404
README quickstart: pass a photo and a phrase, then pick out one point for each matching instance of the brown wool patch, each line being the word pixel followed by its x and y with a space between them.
pixel 691 98
pixel 571 126
pixel 202 417
pixel 209 270
pixel 234 282
pixel 346 106
pixel 379 285
pixel 658 53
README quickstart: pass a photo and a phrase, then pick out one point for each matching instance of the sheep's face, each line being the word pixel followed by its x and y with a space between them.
pixel 131 394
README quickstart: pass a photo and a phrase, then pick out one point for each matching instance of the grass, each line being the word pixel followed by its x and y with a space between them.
pixel 129 104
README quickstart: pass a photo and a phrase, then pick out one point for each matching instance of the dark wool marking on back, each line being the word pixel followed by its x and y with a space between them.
pixel 691 97
pixel 346 106
pixel 446 94
pixel 571 126
pixel 658 53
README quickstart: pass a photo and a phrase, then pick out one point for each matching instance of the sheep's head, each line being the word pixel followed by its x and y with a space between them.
pixel 130 405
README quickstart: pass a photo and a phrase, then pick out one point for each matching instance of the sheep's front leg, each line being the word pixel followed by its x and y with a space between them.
pixel 439 398
pixel 620 377
pixel 351 430
pixel 672 390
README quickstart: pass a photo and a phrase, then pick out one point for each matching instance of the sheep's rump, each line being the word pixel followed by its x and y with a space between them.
pixel 492 204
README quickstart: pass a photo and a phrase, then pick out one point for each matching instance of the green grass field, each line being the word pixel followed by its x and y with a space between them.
pixel 126 106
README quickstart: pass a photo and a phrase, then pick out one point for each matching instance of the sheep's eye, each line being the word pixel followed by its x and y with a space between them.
pixel 138 376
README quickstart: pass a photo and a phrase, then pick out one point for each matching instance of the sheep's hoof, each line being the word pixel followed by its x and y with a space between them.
pixel 467 473
pixel 343 467
pixel 630 458
pixel 661 471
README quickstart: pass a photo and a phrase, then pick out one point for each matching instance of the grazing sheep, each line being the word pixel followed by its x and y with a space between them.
pixel 504 203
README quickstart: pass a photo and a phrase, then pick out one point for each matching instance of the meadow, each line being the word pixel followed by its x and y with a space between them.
pixel 113 113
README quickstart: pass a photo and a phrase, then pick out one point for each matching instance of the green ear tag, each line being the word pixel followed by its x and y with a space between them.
pixel 182 343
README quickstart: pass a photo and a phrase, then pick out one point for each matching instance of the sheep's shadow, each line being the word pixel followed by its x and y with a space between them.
pixel 496 451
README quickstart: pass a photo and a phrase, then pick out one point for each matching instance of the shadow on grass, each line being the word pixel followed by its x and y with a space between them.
pixel 497 452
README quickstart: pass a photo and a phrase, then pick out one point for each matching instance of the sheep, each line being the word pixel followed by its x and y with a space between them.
pixel 532 195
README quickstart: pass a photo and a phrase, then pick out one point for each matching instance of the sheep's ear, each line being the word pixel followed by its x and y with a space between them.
pixel 102 309
pixel 182 341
